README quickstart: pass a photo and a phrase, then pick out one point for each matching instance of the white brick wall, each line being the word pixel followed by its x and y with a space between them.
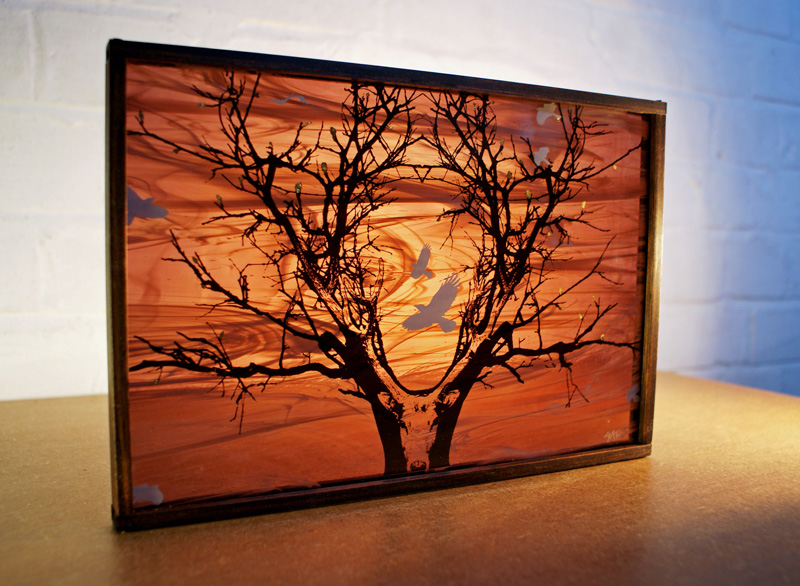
pixel 729 69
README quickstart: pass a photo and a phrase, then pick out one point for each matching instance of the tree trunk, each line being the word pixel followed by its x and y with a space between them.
pixel 389 431
pixel 418 435
pixel 448 417
pixel 406 435
pixel 416 431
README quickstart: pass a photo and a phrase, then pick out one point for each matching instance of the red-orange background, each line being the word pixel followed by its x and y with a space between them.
pixel 301 432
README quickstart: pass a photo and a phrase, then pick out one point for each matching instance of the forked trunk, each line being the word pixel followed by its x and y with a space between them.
pixel 448 418
pixel 389 431
pixel 416 431
pixel 418 435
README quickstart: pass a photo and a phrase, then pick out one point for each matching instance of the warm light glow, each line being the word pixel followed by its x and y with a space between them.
pixel 302 431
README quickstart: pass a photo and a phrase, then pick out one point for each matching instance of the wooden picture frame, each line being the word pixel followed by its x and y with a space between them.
pixel 330 282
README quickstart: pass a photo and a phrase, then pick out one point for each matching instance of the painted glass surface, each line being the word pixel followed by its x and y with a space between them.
pixel 329 282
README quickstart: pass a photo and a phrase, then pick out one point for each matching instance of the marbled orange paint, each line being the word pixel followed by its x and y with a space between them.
pixel 301 432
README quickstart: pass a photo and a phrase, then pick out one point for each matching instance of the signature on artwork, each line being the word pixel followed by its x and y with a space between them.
pixel 616 435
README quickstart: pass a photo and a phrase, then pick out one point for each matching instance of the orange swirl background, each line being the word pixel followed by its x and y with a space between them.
pixel 302 432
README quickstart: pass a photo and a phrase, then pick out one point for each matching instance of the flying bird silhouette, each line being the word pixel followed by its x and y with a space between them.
pixel 142 208
pixel 433 313
pixel 419 267
pixel 540 157
pixel 545 112
pixel 145 492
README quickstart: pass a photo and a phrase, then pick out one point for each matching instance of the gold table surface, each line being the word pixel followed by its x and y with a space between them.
pixel 717 502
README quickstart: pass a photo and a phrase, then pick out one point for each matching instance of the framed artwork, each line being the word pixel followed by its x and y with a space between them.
pixel 331 282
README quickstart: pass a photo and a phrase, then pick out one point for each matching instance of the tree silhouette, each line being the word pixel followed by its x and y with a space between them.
pixel 310 222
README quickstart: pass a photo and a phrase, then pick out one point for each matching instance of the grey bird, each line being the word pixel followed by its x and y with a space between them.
pixel 433 313
pixel 142 208
pixel 419 267
pixel 145 492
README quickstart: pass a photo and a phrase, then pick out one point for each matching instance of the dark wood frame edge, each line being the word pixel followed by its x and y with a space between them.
pixel 124 517
pixel 152 518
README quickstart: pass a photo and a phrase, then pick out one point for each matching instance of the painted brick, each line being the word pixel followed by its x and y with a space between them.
pixel 518 34
pixel 17 57
pixel 702 335
pixel 781 205
pixel 778 72
pixel 755 266
pixel 736 197
pixel 768 18
pixel 613 38
pixel 55 162
pixel 746 133
pixel 53 263
pixel 511 34
pixel 731 336
pixel 767 378
pixel 72 258
pixel 498 48
pixel 312 16
pixel 267 36
pixel 691 10
pixel 706 372
pixel 720 62
pixel 692 266
pixel 689 130
pixel 792 267
pixel 783 379
pixel 776 333
pixel 424 33
pixel 789 144
pixel 20 263
pixel 674 354
pixel 694 56
pixel 52 355
pixel 790 380
pixel 73 69
pixel 684 189
pixel 795 9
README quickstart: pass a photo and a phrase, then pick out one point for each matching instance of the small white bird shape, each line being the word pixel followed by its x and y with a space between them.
pixel 545 112
pixel 539 157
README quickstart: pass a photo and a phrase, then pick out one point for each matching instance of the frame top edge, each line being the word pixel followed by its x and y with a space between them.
pixel 122 50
